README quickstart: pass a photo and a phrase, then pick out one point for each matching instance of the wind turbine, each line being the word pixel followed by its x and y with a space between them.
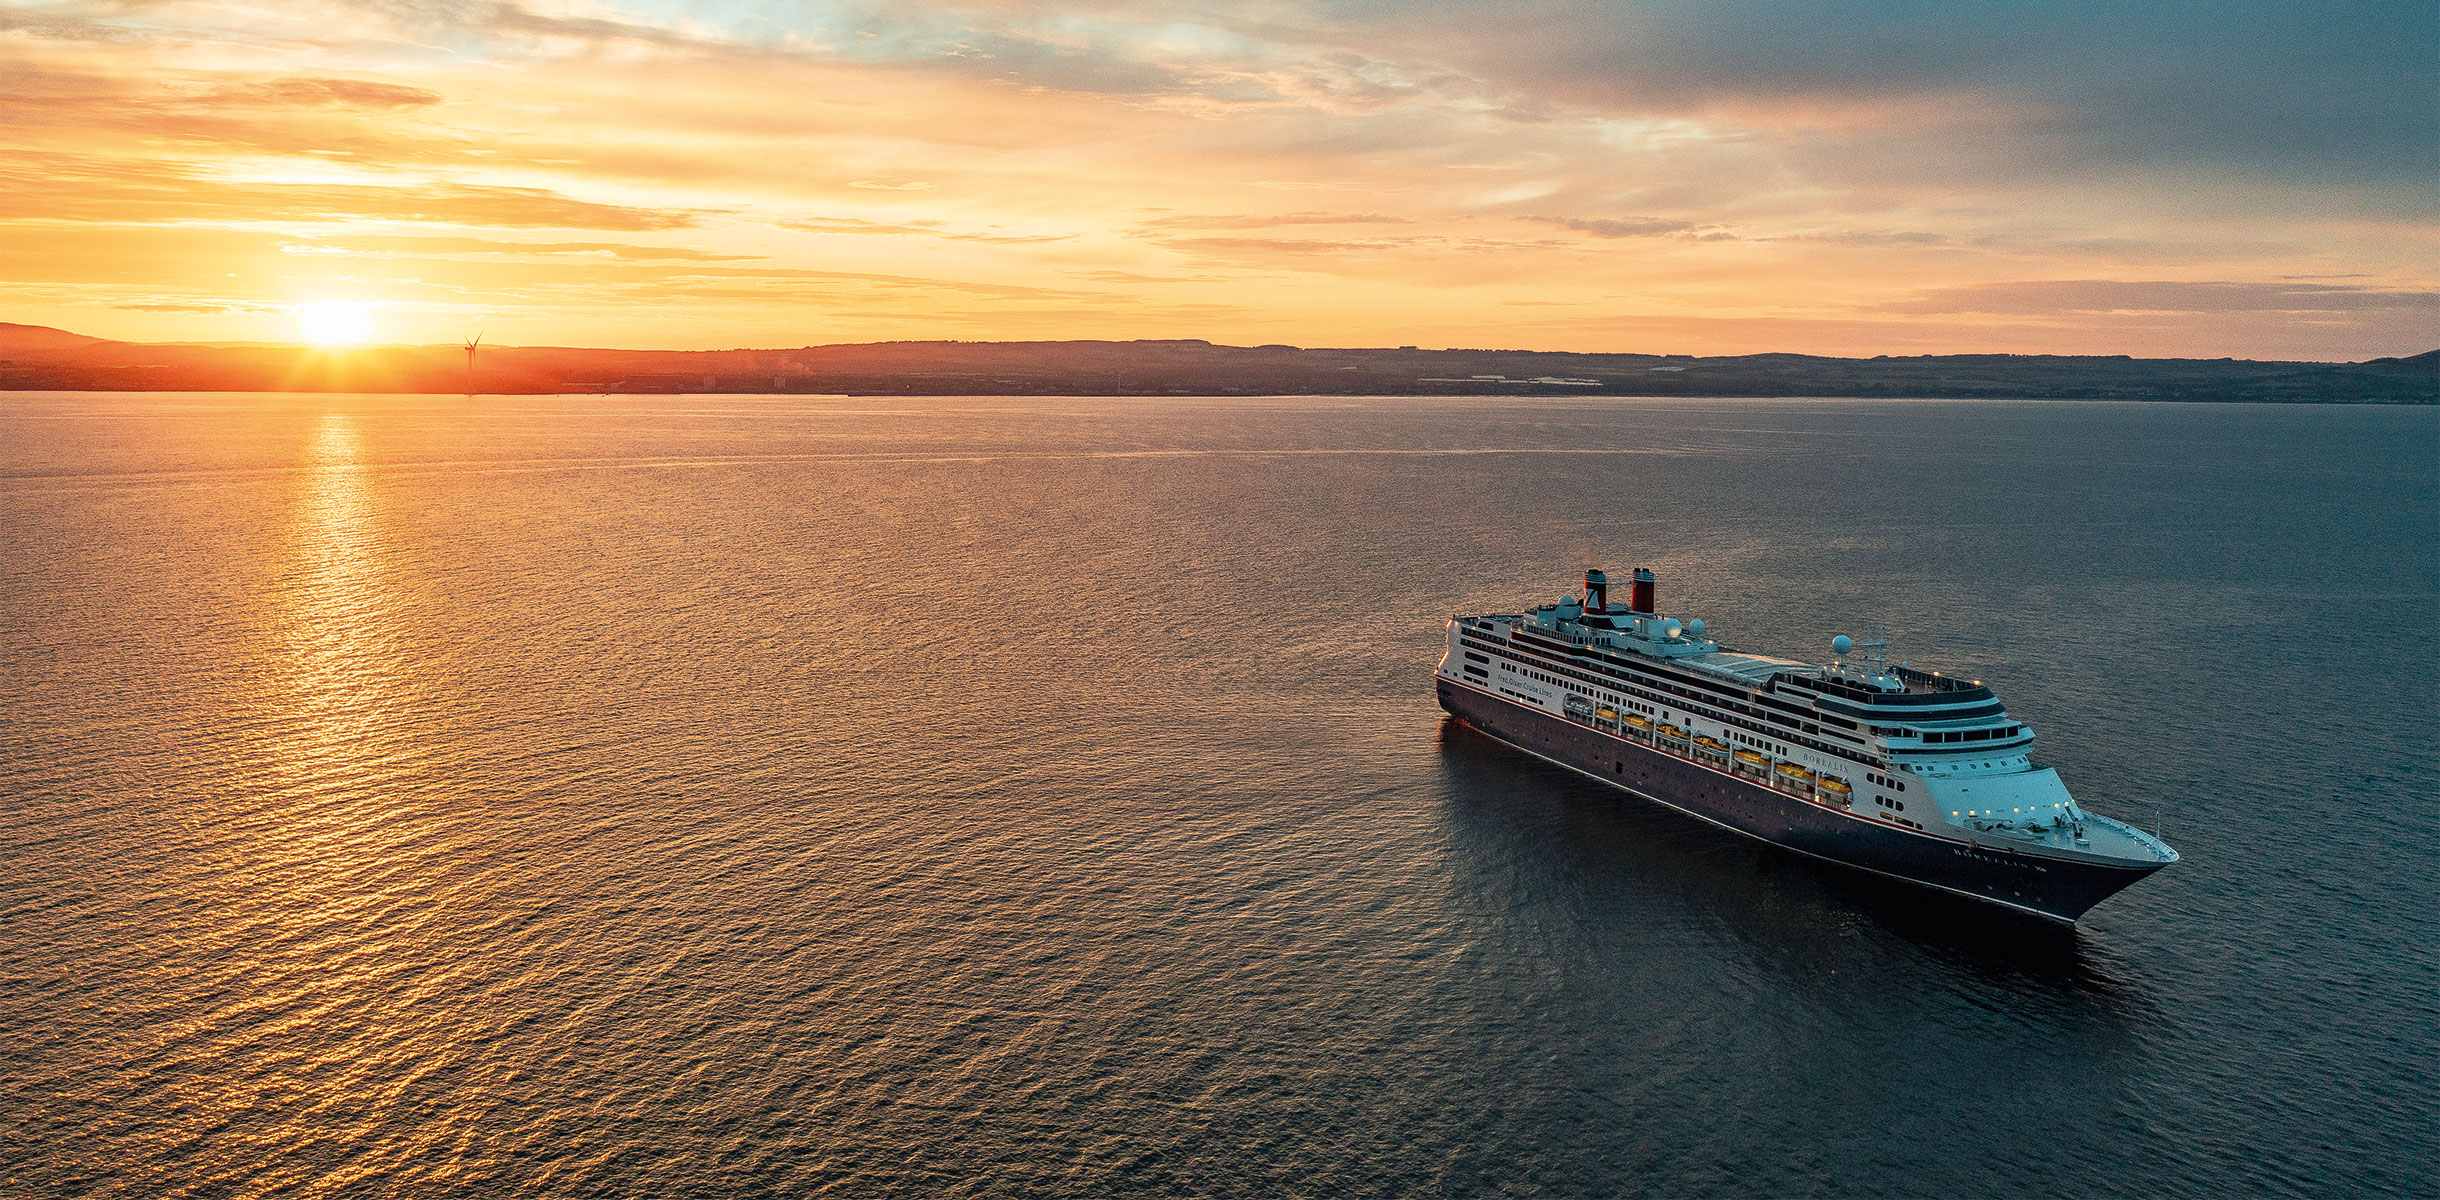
pixel 471 343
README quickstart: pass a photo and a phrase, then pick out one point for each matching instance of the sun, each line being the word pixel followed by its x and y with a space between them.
pixel 335 322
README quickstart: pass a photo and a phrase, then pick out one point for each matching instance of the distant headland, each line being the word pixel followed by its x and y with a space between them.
pixel 34 357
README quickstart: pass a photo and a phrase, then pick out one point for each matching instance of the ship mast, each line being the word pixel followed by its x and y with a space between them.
pixel 1875 646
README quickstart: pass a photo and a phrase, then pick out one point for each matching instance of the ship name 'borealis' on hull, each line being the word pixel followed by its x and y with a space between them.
pixel 1905 773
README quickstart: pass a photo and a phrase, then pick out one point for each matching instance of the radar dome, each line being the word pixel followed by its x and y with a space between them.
pixel 1695 627
pixel 1670 627
pixel 1841 644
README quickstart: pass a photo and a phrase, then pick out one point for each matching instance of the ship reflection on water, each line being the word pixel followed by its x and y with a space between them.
pixel 1780 905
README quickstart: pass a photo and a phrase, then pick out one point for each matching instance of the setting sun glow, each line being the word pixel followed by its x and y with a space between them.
pixel 335 322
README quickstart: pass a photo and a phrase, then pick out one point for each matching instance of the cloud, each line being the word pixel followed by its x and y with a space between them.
pixel 2269 86
pixel 85 188
pixel 1275 221
pixel 193 306
pixel 357 93
pixel 413 246
pixel 908 282
pixel 915 229
pixel 1631 227
pixel 1289 246
pixel 1875 237
pixel 1135 277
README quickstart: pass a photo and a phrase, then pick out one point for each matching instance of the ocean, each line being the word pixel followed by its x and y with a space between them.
pixel 754 795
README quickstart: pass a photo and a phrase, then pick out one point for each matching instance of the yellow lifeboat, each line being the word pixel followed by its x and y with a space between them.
pixel 1673 732
pixel 1752 759
pixel 1638 722
pixel 1836 786
pixel 1707 742
pixel 1795 774
pixel 1606 713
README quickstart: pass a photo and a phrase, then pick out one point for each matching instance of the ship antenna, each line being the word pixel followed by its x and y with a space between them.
pixel 1876 646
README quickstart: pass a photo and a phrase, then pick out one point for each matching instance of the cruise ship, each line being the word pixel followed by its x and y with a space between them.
pixel 1905 773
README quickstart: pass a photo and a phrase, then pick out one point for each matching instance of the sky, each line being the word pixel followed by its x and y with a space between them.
pixel 1700 177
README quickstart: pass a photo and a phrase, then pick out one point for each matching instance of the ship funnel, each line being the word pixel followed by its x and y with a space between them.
pixel 1639 593
pixel 1596 592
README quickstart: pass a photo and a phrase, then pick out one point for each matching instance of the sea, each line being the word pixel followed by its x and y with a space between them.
pixel 725 795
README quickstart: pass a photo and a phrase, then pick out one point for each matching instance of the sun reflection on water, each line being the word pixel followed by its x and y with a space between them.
pixel 302 892
pixel 336 602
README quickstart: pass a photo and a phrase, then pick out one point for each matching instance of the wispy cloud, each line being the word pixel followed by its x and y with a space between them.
pixel 1621 227
pixel 412 246
pixel 193 306
pixel 89 188
pixel 360 93
pixel 1274 221
pixel 919 228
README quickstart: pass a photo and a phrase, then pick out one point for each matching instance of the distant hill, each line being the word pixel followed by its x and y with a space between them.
pixel 36 357
pixel 19 338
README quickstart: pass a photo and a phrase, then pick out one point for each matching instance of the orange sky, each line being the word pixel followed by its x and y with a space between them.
pixel 1549 175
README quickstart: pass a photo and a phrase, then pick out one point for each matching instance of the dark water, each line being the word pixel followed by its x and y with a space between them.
pixel 696 796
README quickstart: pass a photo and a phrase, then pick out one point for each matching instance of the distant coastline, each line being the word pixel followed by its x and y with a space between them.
pixel 38 358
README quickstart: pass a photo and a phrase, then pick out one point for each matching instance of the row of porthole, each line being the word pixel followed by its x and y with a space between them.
pixel 1757 743
pixel 1536 675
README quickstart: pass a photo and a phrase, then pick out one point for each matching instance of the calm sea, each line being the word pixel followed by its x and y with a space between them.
pixel 726 795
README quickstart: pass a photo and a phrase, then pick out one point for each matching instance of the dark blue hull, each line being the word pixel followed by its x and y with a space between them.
pixel 2059 888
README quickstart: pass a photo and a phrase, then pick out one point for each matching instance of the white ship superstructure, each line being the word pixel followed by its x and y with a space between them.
pixel 1909 773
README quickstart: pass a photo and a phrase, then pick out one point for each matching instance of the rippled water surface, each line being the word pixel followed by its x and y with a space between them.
pixel 697 796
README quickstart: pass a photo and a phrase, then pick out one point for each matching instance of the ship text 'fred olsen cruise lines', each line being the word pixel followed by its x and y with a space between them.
pixel 1902 772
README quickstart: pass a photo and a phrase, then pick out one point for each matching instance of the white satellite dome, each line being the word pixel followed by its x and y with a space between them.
pixel 1841 644
pixel 1695 627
